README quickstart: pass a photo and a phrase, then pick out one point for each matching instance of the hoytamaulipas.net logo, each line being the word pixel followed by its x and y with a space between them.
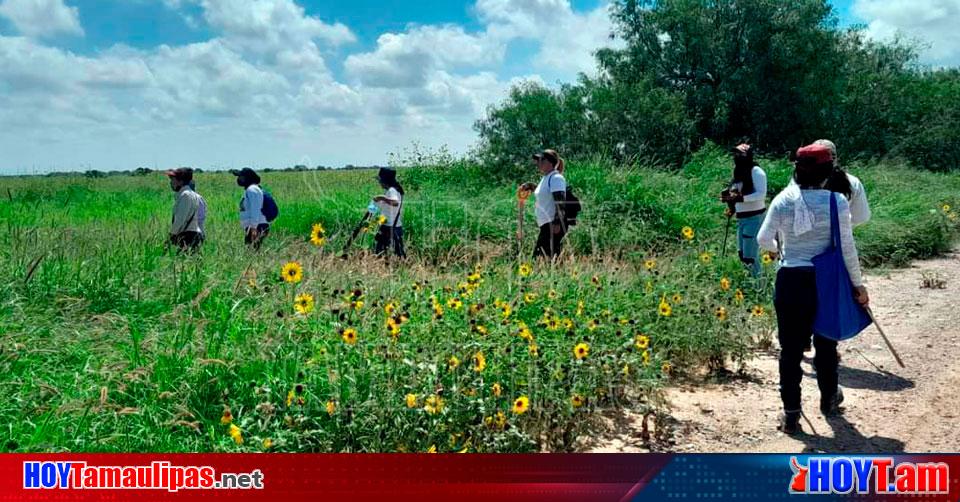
pixel 156 476
pixel 868 475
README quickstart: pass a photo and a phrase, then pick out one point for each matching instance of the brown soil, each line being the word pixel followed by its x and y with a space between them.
pixel 887 409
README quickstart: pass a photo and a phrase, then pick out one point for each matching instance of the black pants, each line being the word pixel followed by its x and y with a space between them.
pixel 390 236
pixel 187 242
pixel 796 303
pixel 263 230
pixel 549 244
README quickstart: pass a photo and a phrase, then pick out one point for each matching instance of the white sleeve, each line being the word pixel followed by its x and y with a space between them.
pixel 847 244
pixel 759 186
pixel 859 207
pixel 767 237
pixel 557 183
pixel 393 195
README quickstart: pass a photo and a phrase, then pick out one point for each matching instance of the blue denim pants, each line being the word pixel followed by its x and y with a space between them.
pixel 747 230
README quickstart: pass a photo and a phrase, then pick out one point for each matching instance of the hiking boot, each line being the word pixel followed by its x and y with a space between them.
pixel 790 423
pixel 830 406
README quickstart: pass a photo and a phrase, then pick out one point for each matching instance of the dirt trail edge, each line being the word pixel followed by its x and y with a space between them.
pixel 888 409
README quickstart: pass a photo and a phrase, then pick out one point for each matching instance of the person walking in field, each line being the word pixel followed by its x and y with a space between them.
pixel 550 195
pixel 202 213
pixel 390 234
pixel 186 228
pixel 254 222
pixel 747 199
pixel 798 226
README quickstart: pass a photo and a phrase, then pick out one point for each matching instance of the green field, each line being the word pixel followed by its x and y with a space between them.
pixel 107 343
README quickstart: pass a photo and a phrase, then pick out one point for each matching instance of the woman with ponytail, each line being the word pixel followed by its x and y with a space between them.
pixel 391 207
pixel 550 196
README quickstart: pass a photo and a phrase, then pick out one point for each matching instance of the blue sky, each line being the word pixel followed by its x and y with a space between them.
pixel 116 84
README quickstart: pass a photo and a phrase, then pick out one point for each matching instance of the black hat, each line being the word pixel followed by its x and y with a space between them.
pixel 246 173
pixel 184 174
pixel 387 174
pixel 550 155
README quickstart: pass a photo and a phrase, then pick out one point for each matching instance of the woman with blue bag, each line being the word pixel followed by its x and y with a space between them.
pixel 819 289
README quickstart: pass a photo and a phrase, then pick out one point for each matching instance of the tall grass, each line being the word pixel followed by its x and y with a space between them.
pixel 111 344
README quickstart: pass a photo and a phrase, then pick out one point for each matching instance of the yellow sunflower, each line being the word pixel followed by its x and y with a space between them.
pixel 677 298
pixel 521 405
pixel 453 362
pixel 643 341
pixel 479 362
pixel 688 233
pixel 738 295
pixel 318 235
pixel 349 336
pixel 454 303
pixel 390 308
pixel 767 258
pixel 506 310
pixel 411 400
pixel 533 350
pixel 665 309
pixel 303 304
pixel 650 264
pixel 236 434
pixel 666 368
pixel 757 311
pixel 581 350
pixel 433 404
pixel 292 272
pixel 525 270
pixel 946 208
pixel 530 297
pixel 331 408
pixel 721 314
pixel 497 389
pixel 706 257
pixel 577 400
pixel 724 284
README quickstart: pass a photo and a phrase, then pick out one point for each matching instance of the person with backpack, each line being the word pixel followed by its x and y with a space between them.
pixel 257 208
pixel 555 206
pixel 747 199
pixel 799 227
pixel 390 204
pixel 186 228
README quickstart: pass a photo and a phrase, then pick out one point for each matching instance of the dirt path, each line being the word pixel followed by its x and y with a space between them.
pixel 887 408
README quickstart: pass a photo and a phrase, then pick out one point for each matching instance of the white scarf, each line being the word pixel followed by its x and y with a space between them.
pixel 803 219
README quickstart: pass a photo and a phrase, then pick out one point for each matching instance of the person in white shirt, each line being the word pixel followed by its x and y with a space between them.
pixel 391 207
pixel 254 223
pixel 186 228
pixel 550 195
pixel 202 213
pixel 747 198
pixel 798 227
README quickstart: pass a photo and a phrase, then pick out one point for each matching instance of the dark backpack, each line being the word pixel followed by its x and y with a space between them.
pixel 571 206
pixel 270 210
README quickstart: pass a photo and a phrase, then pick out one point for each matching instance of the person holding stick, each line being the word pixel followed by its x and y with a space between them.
pixel 391 207
pixel 551 196
pixel 747 199
pixel 798 225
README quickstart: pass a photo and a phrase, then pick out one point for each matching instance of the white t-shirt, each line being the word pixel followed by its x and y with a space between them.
pixel 389 211
pixel 545 207
pixel 757 200
pixel 251 208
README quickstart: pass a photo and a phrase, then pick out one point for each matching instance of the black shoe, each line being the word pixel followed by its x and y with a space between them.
pixel 831 405
pixel 790 423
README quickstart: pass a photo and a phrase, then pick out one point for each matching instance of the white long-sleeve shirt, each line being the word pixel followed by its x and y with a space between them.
pixel 757 200
pixel 251 208
pixel 859 207
pixel 777 232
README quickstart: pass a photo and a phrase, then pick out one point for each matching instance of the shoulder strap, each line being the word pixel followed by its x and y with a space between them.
pixel 834 222
pixel 399 208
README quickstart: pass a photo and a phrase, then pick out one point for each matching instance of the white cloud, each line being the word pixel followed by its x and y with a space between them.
pixel 931 22
pixel 260 91
pixel 42 18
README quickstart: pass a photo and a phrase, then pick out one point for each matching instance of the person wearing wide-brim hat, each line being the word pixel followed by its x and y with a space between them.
pixel 254 223
pixel 798 226
pixel 186 228
pixel 390 234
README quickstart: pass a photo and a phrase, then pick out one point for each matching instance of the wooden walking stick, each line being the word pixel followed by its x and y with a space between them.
pixel 885 339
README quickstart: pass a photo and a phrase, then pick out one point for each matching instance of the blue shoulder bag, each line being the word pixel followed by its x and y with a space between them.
pixel 839 316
